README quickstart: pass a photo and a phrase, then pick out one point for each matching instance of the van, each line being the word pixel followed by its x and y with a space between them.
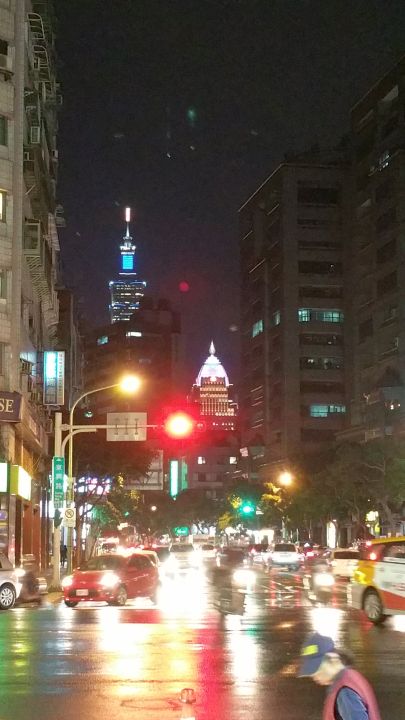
pixel 378 583
pixel 344 561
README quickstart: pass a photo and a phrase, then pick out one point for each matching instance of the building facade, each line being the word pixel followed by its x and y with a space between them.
pixel 212 395
pixel 149 344
pixel 292 231
pixel 127 291
pixel 29 249
pixel 375 263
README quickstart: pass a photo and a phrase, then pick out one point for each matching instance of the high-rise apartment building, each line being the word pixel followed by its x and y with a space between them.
pixel 127 291
pixel 293 308
pixel 375 262
pixel 29 248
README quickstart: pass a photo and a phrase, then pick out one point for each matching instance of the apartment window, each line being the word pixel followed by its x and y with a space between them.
pixel 386 220
pixel 317 196
pixel 310 314
pixel 325 410
pixel 365 329
pixel 387 252
pixel 329 291
pixel 201 460
pixel 233 460
pixel 320 268
pixel 321 387
pixel 320 339
pixel 3 203
pixel 321 363
pixel 103 340
pixel 276 318
pixel 133 333
pixel 257 328
pixel 3 47
pixel 3 284
pixel 317 435
pixel 3 130
pixel 390 313
pixel 387 284
pixel 202 477
pixel 310 243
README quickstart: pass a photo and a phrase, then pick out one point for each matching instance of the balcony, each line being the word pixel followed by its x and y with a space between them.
pixel 39 261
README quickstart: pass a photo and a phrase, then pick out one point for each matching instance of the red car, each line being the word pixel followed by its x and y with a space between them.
pixel 112 579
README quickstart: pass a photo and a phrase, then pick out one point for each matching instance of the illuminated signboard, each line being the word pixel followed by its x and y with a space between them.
pixel 20 482
pixel 174 477
pixel 10 406
pixel 54 377
pixel 4 477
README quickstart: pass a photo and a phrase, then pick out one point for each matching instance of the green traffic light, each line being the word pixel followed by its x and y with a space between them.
pixel 247 509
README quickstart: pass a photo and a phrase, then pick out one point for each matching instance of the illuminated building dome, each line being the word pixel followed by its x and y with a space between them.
pixel 212 370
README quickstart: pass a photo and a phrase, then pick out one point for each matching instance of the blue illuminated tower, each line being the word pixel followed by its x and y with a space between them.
pixel 127 291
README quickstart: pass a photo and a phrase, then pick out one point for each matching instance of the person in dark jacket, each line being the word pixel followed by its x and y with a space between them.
pixel 349 696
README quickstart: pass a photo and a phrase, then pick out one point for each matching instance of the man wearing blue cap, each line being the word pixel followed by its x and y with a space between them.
pixel 350 695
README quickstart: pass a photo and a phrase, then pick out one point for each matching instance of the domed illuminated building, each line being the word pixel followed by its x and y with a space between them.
pixel 212 393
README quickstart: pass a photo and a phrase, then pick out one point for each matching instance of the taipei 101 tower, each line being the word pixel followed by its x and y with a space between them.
pixel 127 291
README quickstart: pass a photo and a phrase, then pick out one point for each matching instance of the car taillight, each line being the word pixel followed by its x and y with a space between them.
pixel 372 556
pixel 310 554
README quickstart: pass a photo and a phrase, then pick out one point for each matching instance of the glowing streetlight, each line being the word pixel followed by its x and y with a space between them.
pixel 130 384
pixel 153 508
pixel 285 478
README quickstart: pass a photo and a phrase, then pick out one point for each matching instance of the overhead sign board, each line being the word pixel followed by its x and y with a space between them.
pixel 10 406
pixel 126 427
pixel 54 377
pixel 58 476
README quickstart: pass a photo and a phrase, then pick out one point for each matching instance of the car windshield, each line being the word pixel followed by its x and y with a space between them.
pixel 182 548
pixel 5 563
pixel 284 547
pixel 162 552
pixel 207 547
pixel 107 562
pixel 346 554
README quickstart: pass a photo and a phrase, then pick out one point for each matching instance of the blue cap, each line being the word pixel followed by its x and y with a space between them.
pixel 313 652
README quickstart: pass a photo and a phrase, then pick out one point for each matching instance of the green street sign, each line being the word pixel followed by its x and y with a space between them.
pixel 58 476
pixel 182 530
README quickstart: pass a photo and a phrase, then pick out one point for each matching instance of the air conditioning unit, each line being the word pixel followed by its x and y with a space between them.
pixel 35 135
pixel 55 155
pixel 36 64
pixel 5 63
pixel 27 156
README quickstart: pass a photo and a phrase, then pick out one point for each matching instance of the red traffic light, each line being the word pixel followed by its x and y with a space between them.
pixel 179 425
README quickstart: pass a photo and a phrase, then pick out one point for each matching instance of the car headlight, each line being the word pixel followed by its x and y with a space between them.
pixel 19 573
pixel 109 580
pixel 324 579
pixel 171 561
pixel 67 581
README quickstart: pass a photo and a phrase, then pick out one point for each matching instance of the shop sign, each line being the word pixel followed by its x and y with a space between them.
pixel 20 482
pixel 58 477
pixel 3 477
pixel 10 406
pixel 54 377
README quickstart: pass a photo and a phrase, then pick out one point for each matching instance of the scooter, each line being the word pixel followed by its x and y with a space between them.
pixel 319 585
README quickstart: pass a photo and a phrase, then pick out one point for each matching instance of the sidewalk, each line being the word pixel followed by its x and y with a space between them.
pixel 53 596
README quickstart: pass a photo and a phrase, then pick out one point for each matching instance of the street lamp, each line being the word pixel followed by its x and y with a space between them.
pixel 128 384
pixel 285 478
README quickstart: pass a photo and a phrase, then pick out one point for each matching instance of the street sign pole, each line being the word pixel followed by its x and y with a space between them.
pixel 56 496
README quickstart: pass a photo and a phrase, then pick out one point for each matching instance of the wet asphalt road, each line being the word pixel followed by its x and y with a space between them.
pixel 122 663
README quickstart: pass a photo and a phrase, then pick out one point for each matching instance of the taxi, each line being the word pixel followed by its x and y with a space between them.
pixel 378 584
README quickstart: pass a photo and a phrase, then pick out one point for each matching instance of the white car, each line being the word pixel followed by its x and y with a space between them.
pixel 184 557
pixel 10 583
pixel 344 561
pixel 285 555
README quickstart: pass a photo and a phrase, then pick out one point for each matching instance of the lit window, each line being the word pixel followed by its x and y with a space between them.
pixel 277 317
pixel 325 410
pixel 201 460
pixel 257 328
pixel 309 314
pixel 233 461
pixel 3 198
pixel 103 340
pixel 133 333
pixel 3 130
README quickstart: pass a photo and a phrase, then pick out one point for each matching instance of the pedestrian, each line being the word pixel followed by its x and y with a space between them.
pixel 63 555
pixel 350 696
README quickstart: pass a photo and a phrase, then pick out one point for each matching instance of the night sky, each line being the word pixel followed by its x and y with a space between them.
pixel 181 109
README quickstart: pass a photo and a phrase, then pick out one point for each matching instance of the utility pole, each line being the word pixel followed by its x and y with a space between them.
pixel 57 518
